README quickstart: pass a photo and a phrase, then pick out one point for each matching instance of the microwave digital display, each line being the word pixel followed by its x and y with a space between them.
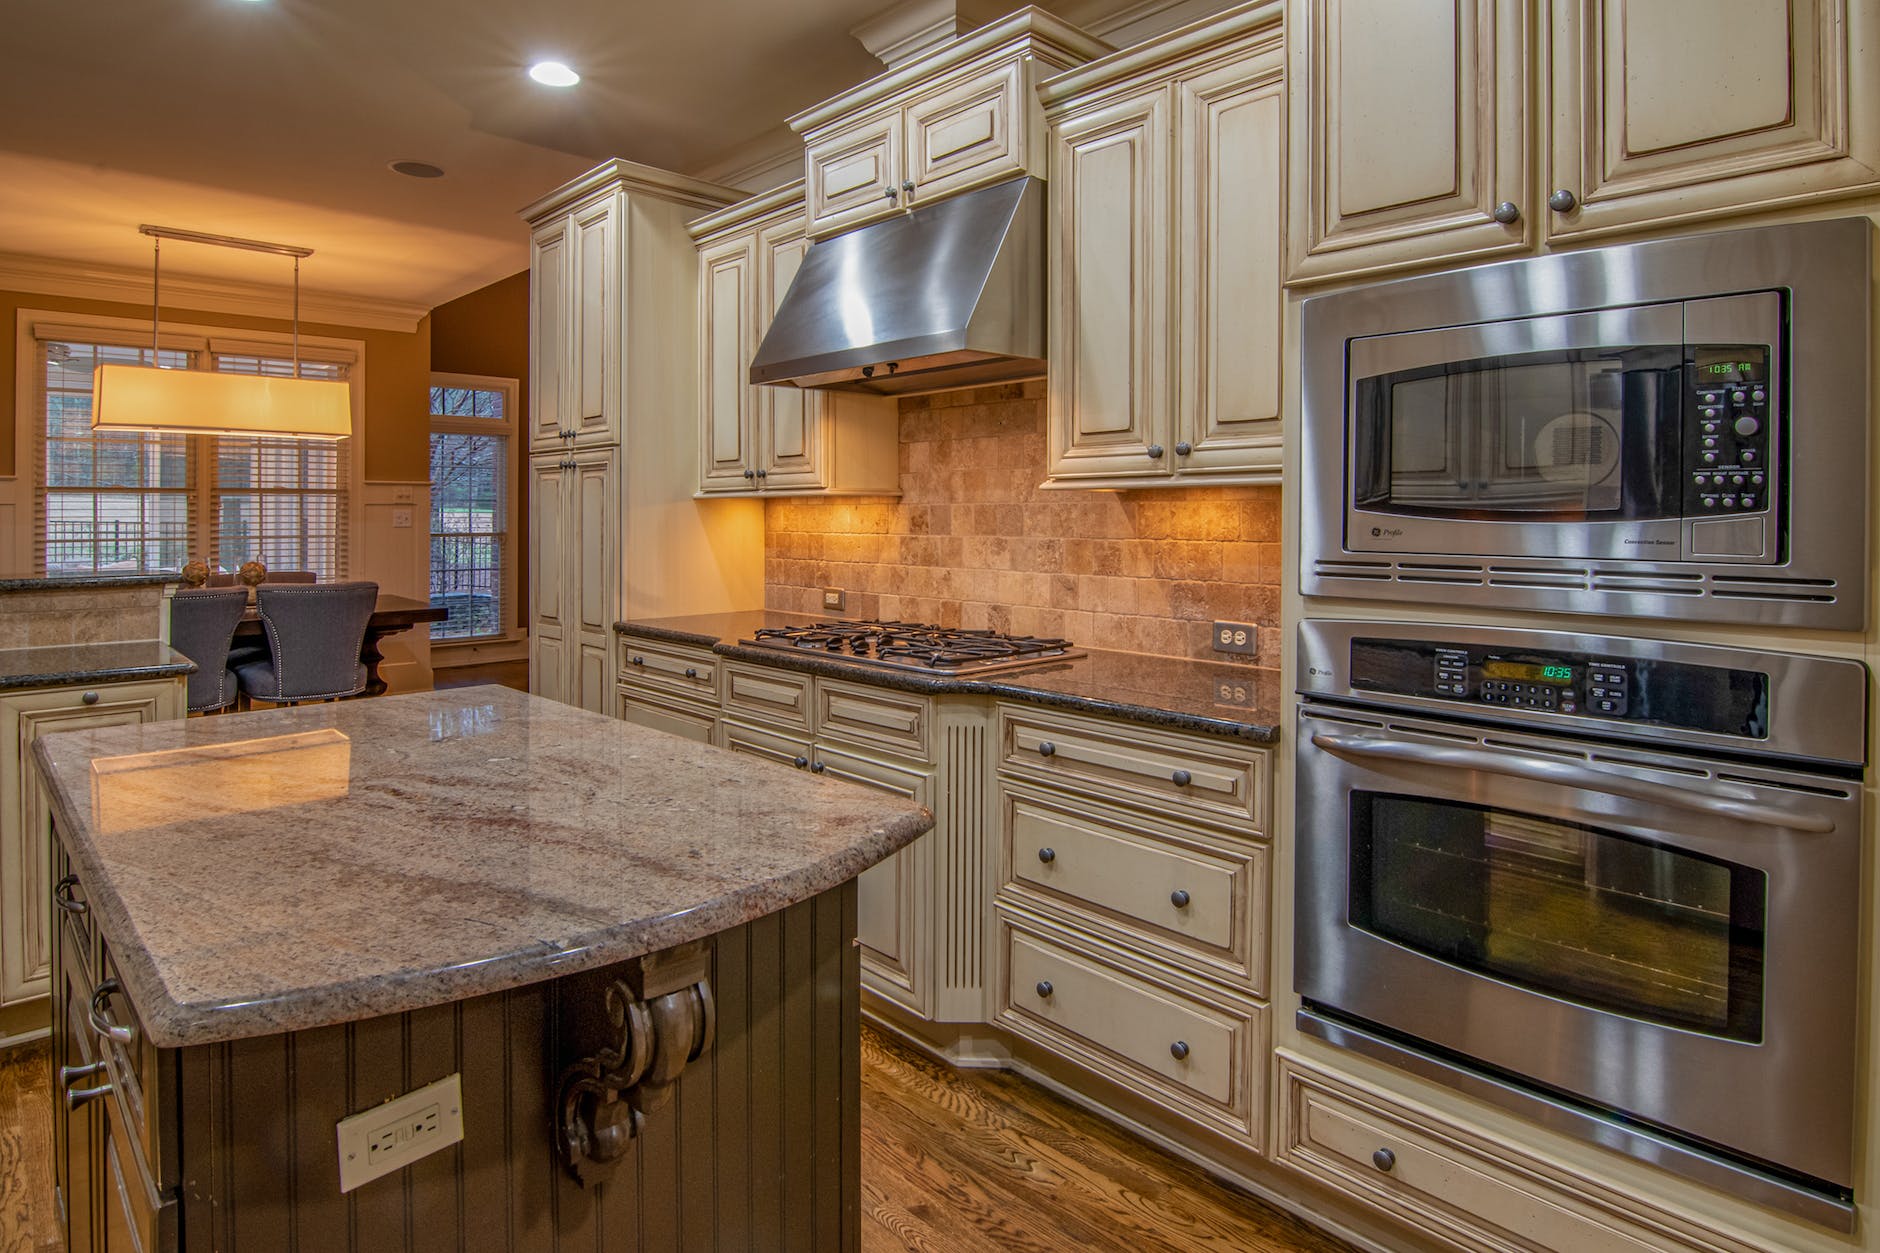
pixel 1746 363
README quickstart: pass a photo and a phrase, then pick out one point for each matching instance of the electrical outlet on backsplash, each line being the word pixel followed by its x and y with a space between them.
pixel 973 542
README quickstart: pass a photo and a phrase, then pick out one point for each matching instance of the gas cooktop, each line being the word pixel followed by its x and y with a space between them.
pixel 915 646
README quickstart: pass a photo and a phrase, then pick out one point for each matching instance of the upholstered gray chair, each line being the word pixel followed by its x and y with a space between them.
pixel 202 622
pixel 314 633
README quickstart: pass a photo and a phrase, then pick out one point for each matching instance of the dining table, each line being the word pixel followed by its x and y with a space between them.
pixel 391 614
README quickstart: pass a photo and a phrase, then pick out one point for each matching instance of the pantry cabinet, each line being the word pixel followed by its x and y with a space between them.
pixel 1410 122
pixel 572 372
pixel 574 539
pixel 1165 341
pixel 774 440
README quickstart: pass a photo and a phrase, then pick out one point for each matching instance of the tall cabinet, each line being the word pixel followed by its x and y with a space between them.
pixel 614 530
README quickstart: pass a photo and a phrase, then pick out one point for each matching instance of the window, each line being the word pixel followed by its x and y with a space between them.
pixel 472 505
pixel 119 503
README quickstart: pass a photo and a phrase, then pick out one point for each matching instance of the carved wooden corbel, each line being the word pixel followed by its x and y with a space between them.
pixel 662 1017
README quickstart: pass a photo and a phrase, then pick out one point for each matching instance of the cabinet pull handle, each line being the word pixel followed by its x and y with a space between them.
pixel 1179 1050
pixel 1046 748
pixel 106 1029
pixel 1181 778
pixel 1507 213
pixel 90 698
pixel 77 1097
pixel 62 897
pixel 1184 448
pixel 1179 898
pixel 1047 855
pixel 1384 1159
pixel 817 767
pixel 69 1075
pixel 1562 200
pixel 691 672
pixel 1155 452
pixel 1044 987
pixel 799 762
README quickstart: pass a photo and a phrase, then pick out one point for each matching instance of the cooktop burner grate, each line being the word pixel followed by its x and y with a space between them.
pixel 916 646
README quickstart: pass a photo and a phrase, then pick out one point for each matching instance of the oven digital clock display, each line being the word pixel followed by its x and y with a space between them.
pixel 1528 672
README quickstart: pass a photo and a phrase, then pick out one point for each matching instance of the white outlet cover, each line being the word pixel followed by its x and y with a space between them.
pixel 389 1137
pixel 401 517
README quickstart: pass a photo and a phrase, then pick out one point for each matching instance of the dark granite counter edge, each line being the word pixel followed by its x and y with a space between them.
pixel 48 583
pixel 668 634
pixel 171 1024
pixel 109 674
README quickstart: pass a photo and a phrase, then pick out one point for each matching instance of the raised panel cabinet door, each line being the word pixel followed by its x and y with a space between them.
pixel 596 358
pixel 854 174
pixel 1228 279
pixel 26 925
pixel 1409 125
pixel 77 1133
pixel 548 576
pixel 1678 110
pixel 548 334
pixel 790 427
pixel 593 543
pixel 966 133
pixel 1110 391
pixel 727 338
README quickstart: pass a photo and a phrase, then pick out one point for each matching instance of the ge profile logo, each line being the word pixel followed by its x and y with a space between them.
pixel 1376 531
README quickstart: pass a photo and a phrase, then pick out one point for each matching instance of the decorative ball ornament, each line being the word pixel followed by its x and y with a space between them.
pixel 252 574
pixel 196 573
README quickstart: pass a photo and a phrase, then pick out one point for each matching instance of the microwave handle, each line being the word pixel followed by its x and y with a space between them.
pixel 1587 778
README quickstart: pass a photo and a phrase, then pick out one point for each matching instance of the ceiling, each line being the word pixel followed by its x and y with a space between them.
pixel 276 120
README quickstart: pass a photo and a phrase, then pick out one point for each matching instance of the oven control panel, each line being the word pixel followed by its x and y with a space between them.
pixel 1630 689
pixel 1726 430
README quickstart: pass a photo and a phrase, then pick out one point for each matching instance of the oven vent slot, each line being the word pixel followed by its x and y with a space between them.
pixel 1753 587
pixel 1533 750
pixel 1659 767
pixel 1635 585
pixel 1551 578
pixel 1656 576
pixel 1832 793
pixel 1434 733
pixel 1379 570
pixel 1349 720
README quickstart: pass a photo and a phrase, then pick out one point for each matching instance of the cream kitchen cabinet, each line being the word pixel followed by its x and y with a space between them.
pixel 1410 122
pixel 1165 342
pixel 572 374
pixel 574 539
pixel 774 440
pixel 956 118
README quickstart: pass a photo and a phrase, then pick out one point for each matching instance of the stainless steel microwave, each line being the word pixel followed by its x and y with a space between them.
pixel 1674 429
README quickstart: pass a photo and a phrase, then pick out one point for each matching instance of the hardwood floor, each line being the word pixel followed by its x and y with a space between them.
pixel 508 673
pixel 952 1162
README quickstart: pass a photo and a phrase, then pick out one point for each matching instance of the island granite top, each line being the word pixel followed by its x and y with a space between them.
pixel 277 871
pixel 68 665
pixel 1212 697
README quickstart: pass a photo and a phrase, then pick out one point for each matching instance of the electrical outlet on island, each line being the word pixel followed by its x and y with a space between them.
pixel 833 598
pixel 1237 637
pixel 385 1138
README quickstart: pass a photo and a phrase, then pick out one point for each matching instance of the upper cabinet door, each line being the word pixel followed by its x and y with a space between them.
pixel 855 173
pixel 1228 278
pixel 727 338
pixel 548 333
pixel 787 420
pixel 1110 392
pixel 593 382
pixel 966 133
pixel 1673 110
pixel 1408 128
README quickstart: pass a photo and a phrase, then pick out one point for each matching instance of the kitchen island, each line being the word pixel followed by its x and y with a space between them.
pixel 634 953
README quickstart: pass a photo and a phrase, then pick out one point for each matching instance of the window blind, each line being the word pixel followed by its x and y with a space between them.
pixel 282 502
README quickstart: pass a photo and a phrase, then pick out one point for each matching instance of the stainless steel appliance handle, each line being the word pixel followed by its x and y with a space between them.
pixel 1566 774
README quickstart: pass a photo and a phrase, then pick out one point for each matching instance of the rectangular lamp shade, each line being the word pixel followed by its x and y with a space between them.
pixel 202 402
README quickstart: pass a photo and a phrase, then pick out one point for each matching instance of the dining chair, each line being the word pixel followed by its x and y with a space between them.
pixel 220 578
pixel 314 634
pixel 202 624
pixel 291 576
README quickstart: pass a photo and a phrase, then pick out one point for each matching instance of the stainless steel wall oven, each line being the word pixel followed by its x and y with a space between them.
pixel 1671 429
pixel 1612 883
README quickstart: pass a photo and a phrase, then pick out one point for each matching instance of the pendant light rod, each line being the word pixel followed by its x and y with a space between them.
pixel 224 241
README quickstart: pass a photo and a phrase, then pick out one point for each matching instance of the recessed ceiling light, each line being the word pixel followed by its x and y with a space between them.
pixel 553 74
pixel 415 169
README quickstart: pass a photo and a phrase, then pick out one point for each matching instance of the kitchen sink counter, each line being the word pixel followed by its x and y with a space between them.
pixel 68 665
pixel 1213 697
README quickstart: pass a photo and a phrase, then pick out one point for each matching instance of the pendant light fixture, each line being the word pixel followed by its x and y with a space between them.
pixel 138 398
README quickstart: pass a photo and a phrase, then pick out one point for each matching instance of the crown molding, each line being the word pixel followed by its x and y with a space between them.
pixel 83 280
pixel 632 177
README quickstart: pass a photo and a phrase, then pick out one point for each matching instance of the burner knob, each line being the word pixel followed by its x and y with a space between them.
pixel 800 762
pixel 1046 748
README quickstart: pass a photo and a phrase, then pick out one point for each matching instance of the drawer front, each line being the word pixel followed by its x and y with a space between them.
pixel 741 738
pixel 1148 882
pixel 779 696
pixel 691 722
pixel 874 717
pixel 1130 1025
pixel 966 133
pixel 137 1215
pixel 1450 1182
pixel 850 172
pixel 72 909
pixel 141 1095
pixel 671 668
pixel 1193 776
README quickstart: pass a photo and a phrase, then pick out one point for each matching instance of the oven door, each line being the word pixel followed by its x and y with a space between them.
pixel 1662 937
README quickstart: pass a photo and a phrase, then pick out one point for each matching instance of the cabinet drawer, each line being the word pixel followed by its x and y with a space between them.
pixel 874 717
pixel 779 696
pixel 137 1215
pixel 673 668
pixel 1458 1185
pixel 141 1092
pixel 851 171
pixel 1129 1025
pixel 681 718
pixel 1151 883
pixel 1192 776
pixel 967 132
pixel 740 738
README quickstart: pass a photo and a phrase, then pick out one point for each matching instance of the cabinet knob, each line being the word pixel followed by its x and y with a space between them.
pixel 1562 200
pixel 817 767
pixel 1047 855
pixel 1384 1159
pixel 1046 748
pixel 75 1098
pixel 1184 448
pixel 90 698
pixel 1155 452
pixel 750 474
pixel 691 672
pixel 69 1075
pixel 1179 1050
pixel 1181 778
pixel 799 762
pixel 1044 987
pixel 1179 898
pixel 891 194
pixel 638 661
pixel 1507 213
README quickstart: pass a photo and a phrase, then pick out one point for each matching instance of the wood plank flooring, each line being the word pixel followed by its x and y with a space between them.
pixel 506 673
pixel 952 1162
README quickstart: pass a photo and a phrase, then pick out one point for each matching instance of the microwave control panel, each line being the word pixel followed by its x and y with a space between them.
pixel 1726 431
pixel 1632 689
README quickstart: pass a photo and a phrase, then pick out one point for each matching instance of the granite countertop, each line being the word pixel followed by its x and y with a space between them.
pixel 1212 697
pixel 61 582
pixel 72 664
pixel 268 872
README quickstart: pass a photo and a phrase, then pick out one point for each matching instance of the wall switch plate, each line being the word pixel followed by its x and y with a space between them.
pixel 385 1138
pixel 401 517
pixel 833 598
pixel 403 496
pixel 1237 637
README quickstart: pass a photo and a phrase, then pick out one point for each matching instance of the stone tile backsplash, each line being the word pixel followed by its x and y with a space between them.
pixel 57 617
pixel 974 542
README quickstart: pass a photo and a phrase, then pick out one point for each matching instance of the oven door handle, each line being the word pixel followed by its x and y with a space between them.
pixel 1587 778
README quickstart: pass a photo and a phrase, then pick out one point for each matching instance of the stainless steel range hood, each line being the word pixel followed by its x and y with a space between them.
pixel 948 295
